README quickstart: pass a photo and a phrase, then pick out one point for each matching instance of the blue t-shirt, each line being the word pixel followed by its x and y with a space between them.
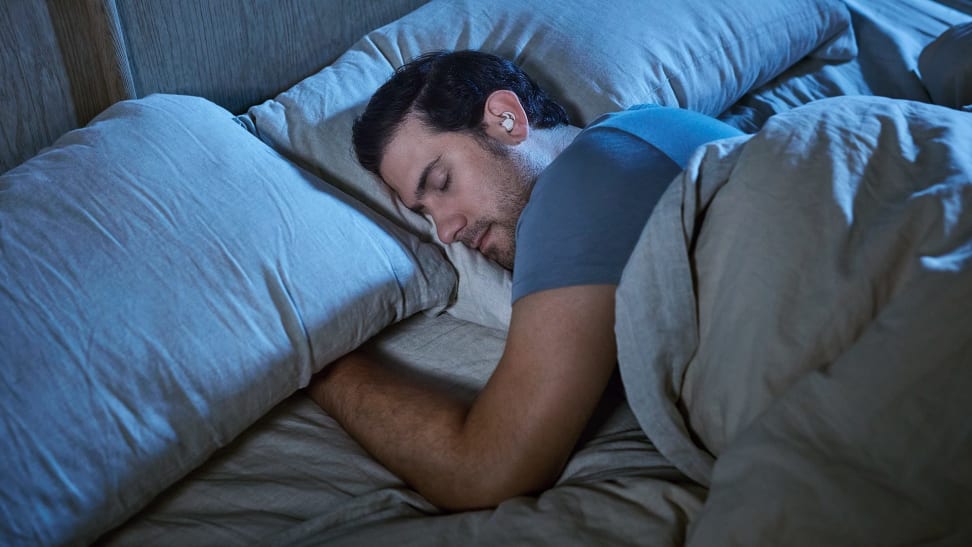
pixel 588 208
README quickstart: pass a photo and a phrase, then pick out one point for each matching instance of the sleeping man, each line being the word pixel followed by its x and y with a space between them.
pixel 469 140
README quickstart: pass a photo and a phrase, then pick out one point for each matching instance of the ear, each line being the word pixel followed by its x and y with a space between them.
pixel 499 107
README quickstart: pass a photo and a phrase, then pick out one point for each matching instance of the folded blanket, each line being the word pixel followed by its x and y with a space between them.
pixel 793 327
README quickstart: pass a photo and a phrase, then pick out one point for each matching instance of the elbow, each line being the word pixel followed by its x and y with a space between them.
pixel 471 498
pixel 487 487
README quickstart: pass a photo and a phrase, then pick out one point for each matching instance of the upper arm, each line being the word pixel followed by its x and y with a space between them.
pixel 587 210
pixel 559 357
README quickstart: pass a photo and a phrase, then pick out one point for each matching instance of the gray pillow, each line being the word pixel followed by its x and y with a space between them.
pixel 167 279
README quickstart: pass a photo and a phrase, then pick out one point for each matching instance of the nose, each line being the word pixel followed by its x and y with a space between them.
pixel 447 226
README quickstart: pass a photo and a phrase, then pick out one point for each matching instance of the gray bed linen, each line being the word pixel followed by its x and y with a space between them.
pixel 794 332
pixel 890 35
pixel 296 478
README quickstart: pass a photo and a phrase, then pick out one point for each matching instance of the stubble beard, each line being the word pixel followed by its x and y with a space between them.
pixel 517 177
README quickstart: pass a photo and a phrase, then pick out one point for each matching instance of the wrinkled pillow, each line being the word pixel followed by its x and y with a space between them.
pixel 166 279
pixel 697 54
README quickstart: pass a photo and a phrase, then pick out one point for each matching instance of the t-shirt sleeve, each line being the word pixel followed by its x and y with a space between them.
pixel 587 211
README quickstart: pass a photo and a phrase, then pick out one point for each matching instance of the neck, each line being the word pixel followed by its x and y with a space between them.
pixel 549 143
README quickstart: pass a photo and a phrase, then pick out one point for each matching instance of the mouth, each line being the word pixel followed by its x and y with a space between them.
pixel 481 239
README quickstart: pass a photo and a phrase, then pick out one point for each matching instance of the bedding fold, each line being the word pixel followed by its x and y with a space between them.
pixel 812 362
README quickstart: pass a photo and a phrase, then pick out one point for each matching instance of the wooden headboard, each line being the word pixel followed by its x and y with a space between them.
pixel 64 61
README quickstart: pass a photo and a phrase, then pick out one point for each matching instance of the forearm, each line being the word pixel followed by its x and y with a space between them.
pixel 415 429
pixel 517 434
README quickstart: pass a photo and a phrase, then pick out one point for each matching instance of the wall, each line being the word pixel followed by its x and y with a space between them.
pixel 63 61
pixel 35 99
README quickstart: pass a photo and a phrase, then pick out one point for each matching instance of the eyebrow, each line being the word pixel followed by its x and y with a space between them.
pixel 423 184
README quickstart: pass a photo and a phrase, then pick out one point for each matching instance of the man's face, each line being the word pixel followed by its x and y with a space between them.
pixel 473 192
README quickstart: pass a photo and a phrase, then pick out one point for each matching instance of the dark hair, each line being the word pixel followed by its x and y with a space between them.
pixel 448 91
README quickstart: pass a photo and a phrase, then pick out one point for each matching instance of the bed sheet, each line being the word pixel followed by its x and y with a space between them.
pixel 890 36
pixel 296 477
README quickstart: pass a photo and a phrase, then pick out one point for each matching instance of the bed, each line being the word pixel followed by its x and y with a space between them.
pixel 794 342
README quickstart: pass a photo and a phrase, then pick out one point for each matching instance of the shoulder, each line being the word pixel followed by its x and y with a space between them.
pixel 599 158
pixel 676 132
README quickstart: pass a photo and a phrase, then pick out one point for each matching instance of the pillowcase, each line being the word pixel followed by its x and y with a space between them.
pixel 698 54
pixel 167 279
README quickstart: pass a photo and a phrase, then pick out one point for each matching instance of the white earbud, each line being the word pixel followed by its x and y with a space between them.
pixel 508 120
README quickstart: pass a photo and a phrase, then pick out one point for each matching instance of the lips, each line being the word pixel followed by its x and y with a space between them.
pixel 478 242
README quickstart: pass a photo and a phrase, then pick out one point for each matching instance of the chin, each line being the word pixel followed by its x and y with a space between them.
pixel 500 256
